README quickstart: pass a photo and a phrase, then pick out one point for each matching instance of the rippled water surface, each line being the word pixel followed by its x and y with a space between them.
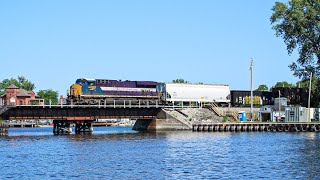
pixel 120 153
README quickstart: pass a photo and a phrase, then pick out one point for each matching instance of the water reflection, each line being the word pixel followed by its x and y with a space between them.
pixel 120 153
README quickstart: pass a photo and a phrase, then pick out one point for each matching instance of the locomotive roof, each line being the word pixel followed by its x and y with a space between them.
pixel 89 79
pixel 138 82
pixel 197 84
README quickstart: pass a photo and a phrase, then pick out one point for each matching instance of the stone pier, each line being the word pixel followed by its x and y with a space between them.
pixel 62 127
pixel 163 121
pixel 83 127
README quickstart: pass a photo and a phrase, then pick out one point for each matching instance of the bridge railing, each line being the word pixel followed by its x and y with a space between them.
pixel 117 104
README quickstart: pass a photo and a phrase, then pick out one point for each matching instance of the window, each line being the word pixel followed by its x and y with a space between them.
pixel 92 83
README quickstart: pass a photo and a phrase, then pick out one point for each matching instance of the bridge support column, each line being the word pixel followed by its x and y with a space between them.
pixel 83 127
pixel 162 122
pixel 61 127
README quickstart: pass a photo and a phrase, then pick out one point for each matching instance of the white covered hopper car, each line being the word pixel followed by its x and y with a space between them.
pixel 176 92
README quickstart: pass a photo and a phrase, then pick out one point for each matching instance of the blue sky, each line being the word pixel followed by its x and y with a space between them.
pixel 52 43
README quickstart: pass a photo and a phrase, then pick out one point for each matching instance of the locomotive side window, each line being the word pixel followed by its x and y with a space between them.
pixel 91 83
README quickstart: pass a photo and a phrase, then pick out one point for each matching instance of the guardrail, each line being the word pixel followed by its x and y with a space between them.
pixel 109 106
pixel 116 104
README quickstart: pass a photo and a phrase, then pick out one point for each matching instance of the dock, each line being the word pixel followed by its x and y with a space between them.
pixel 257 127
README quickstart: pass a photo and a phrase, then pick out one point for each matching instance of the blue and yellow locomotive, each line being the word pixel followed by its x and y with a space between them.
pixel 102 91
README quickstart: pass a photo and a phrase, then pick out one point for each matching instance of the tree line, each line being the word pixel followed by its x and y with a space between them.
pixel 23 83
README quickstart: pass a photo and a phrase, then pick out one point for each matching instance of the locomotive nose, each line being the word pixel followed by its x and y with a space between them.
pixel 76 90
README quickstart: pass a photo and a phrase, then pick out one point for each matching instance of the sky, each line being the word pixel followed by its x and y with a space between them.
pixel 53 43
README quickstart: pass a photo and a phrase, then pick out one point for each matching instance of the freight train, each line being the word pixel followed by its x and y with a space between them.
pixel 88 91
pixel 102 91
pixel 295 96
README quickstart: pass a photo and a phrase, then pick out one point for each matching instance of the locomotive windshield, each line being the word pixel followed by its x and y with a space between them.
pixel 81 81
pixel 86 82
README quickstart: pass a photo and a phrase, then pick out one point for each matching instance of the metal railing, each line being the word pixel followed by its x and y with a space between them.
pixel 222 113
pixel 115 104
pixel 217 110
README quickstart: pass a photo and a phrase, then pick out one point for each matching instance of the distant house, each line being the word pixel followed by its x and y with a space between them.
pixel 15 96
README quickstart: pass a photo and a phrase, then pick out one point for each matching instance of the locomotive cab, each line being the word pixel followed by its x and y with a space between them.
pixel 77 89
pixel 89 82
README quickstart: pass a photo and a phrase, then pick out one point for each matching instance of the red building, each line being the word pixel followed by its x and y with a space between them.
pixel 15 96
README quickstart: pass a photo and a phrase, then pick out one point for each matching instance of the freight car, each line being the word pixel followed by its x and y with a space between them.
pixel 295 96
pixel 243 98
pixel 102 91
pixel 200 93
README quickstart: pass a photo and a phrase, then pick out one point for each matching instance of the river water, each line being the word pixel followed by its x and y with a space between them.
pixel 120 153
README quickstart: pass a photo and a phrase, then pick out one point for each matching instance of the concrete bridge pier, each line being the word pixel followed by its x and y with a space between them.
pixel 83 127
pixel 62 127
pixel 161 122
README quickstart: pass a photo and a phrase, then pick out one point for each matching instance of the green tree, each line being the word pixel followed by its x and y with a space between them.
pixel 20 82
pixel 180 81
pixel 48 95
pixel 315 95
pixel 284 84
pixel 298 24
pixel 305 83
pixel 262 87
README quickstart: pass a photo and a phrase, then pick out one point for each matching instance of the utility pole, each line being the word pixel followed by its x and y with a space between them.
pixel 251 88
pixel 309 98
pixel 279 106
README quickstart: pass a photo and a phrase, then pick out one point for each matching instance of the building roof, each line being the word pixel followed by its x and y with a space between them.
pixel 12 86
pixel 23 92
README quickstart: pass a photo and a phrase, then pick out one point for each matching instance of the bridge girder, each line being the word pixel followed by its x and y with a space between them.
pixel 38 112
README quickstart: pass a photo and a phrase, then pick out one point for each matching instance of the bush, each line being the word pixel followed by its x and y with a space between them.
pixel 225 119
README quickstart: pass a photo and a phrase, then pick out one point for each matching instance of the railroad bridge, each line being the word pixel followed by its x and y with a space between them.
pixel 82 116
